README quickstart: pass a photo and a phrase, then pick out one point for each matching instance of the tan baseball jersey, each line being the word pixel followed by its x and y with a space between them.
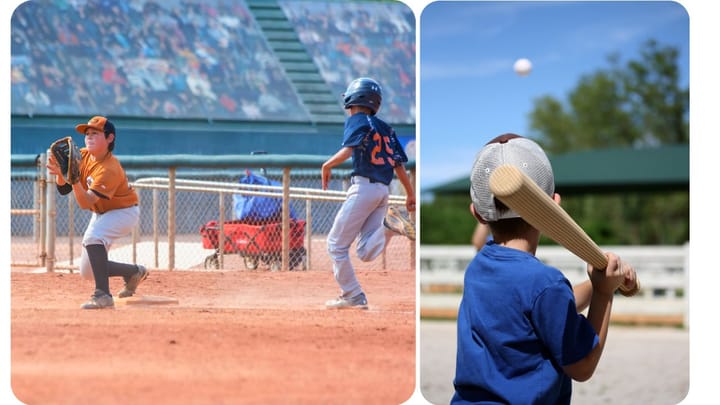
pixel 108 180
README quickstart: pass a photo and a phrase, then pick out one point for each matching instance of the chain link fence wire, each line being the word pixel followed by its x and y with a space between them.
pixel 27 233
pixel 207 204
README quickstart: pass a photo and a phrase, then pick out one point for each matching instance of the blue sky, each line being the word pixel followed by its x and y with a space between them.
pixel 468 90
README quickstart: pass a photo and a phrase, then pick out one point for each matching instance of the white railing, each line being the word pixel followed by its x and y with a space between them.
pixel 171 185
pixel 178 204
pixel 662 270
pixel 225 190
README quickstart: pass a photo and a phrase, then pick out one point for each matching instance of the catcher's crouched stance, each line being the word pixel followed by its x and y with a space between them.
pixel 100 185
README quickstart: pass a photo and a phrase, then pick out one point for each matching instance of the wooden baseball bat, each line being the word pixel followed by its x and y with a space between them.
pixel 522 195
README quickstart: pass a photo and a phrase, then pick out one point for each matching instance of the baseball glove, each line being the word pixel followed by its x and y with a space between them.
pixel 399 221
pixel 68 157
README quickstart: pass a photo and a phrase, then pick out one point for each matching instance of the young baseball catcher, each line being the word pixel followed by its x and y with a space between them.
pixel 100 185
pixel 520 336
pixel 376 153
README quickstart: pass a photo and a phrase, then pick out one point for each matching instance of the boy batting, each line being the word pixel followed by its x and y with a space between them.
pixel 521 337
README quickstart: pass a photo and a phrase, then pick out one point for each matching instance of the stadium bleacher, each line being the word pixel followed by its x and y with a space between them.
pixel 348 40
pixel 208 60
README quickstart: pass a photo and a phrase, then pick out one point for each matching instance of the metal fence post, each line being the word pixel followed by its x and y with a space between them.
pixel 156 232
pixel 286 220
pixel 50 215
pixel 40 216
pixel 71 230
pixel 308 234
pixel 135 233
pixel 221 231
pixel 171 218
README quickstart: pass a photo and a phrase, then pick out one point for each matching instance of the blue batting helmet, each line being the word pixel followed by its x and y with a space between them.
pixel 365 92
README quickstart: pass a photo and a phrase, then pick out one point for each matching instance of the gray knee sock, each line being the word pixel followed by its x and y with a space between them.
pixel 99 263
pixel 124 270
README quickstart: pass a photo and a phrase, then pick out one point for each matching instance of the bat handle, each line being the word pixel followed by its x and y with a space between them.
pixel 599 260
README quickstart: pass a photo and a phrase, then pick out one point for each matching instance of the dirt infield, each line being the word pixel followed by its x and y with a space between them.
pixel 235 337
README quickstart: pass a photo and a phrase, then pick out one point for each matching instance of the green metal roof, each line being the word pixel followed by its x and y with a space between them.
pixel 610 170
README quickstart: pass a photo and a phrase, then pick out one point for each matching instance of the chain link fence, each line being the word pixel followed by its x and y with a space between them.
pixel 202 218
pixel 27 194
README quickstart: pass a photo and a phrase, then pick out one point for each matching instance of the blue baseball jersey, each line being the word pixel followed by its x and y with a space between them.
pixel 376 149
pixel 517 327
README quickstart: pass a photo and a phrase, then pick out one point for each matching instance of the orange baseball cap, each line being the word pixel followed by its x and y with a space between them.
pixel 97 122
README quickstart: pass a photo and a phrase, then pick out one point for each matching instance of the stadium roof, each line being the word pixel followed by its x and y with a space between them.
pixel 610 170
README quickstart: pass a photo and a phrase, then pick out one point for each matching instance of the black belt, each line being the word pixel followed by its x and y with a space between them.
pixel 376 181
pixel 371 180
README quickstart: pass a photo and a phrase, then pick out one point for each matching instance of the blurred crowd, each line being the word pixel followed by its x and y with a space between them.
pixel 173 59
pixel 352 39
pixel 192 59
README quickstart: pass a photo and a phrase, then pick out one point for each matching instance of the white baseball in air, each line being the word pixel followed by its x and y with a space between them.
pixel 522 67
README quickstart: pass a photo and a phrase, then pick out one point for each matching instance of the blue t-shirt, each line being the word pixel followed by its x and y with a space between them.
pixel 517 326
pixel 376 149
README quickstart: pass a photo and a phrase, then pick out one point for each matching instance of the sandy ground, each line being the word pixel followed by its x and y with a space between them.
pixel 640 365
pixel 251 337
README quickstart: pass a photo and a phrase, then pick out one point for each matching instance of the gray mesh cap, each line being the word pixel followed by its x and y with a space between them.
pixel 514 150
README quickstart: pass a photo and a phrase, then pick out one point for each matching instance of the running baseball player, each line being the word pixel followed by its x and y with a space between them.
pixel 376 153
pixel 103 188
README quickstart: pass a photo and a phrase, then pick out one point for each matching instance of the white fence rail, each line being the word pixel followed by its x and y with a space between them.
pixel 663 272
pixel 226 190
pixel 45 226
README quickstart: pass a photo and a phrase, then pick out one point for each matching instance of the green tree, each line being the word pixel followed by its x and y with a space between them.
pixel 636 104
pixel 640 103
pixel 447 220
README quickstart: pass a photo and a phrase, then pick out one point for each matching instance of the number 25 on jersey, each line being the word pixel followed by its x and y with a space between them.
pixel 380 143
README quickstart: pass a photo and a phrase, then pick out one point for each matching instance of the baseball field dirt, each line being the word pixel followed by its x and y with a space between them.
pixel 256 337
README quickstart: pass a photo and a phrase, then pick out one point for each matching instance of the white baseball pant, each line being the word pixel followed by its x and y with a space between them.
pixel 361 215
pixel 105 229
